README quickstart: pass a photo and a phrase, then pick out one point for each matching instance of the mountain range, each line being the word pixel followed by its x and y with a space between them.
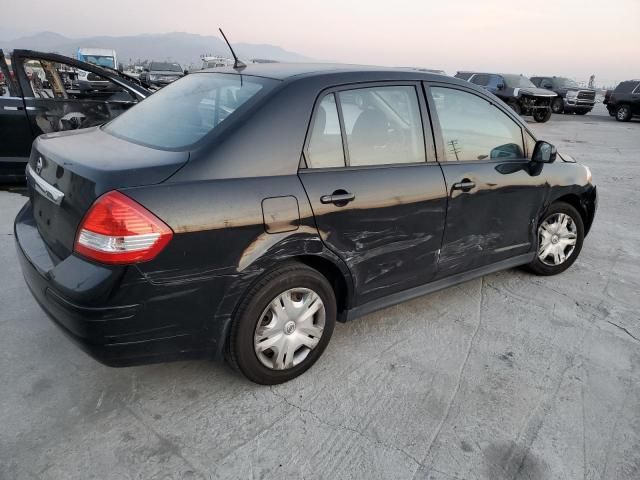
pixel 185 48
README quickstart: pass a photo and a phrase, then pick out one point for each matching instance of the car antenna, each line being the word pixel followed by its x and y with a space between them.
pixel 237 64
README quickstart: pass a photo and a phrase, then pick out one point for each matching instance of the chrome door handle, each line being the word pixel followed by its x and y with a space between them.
pixel 339 198
pixel 465 185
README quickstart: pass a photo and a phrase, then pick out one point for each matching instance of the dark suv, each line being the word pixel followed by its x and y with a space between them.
pixel 572 98
pixel 160 74
pixel 624 101
pixel 517 91
pixel 287 197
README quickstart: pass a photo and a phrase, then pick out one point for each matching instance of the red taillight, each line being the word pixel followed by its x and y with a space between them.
pixel 116 229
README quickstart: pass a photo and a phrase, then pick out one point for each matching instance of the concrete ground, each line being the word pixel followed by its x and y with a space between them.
pixel 510 376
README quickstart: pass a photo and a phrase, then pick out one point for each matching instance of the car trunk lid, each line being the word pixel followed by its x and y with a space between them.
pixel 67 171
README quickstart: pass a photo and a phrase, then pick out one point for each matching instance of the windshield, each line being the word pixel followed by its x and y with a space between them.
pixel 100 60
pixel 182 113
pixel 167 67
pixel 561 82
pixel 517 81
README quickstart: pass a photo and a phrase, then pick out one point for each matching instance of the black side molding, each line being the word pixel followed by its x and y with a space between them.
pixel 395 298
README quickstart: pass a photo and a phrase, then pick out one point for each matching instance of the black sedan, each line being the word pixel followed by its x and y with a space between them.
pixel 241 213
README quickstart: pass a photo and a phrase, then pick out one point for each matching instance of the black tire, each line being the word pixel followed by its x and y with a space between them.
pixel 539 267
pixel 241 353
pixel 611 114
pixel 542 116
pixel 515 106
pixel 557 106
pixel 623 113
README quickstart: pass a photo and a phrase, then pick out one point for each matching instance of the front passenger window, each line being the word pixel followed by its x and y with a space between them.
pixel 473 129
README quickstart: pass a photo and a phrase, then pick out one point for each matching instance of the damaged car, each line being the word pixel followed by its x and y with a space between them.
pixel 239 213
pixel 42 94
pixel 517 91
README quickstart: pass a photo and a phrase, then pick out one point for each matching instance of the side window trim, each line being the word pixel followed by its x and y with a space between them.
pixel 435 121
pixel 343 130
pixel 423 108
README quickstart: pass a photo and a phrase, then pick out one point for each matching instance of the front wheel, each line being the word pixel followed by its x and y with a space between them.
pixel 560 238
pixel 557 106
pixel 283 325
pixel 515 106
pixel 542 116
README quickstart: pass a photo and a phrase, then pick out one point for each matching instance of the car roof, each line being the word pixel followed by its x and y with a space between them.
pixel 287 71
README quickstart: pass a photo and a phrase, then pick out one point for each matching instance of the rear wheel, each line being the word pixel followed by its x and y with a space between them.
pixel 560 238
pixel 623 113
pixel 542 116
pixel 557 106
pixel 283 325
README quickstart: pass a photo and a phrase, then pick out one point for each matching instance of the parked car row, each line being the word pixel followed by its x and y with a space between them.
pixel 517 91
pixel 571 97
pixel 540 95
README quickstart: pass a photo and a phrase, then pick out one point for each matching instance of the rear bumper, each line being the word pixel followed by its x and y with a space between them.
pixel 119 332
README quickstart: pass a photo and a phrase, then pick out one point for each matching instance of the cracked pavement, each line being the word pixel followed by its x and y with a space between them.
pixel 507 377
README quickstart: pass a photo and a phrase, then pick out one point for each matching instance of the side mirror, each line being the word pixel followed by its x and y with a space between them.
pixel 544 152
pixel 186 72
pixel 500 86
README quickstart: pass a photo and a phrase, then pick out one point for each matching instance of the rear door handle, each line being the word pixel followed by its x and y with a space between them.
pixel 465 185
pixel 339 198
pixel 15 109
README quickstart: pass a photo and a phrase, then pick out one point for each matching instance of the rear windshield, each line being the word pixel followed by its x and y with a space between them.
pixel 183 112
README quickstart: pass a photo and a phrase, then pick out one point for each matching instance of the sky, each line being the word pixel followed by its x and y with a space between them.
pixel 575 38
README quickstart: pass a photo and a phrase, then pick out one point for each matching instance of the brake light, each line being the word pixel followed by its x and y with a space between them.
pixel 118 230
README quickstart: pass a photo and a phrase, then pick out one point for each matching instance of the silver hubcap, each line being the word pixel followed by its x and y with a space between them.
pixel 289 328
pixel 558 235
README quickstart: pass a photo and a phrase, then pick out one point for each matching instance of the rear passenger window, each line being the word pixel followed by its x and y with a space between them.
pixel 473 129
pixel 325 145
pixel 382 125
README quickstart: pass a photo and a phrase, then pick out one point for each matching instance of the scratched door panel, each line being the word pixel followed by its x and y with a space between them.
pixel 389 235
pixel 495 219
